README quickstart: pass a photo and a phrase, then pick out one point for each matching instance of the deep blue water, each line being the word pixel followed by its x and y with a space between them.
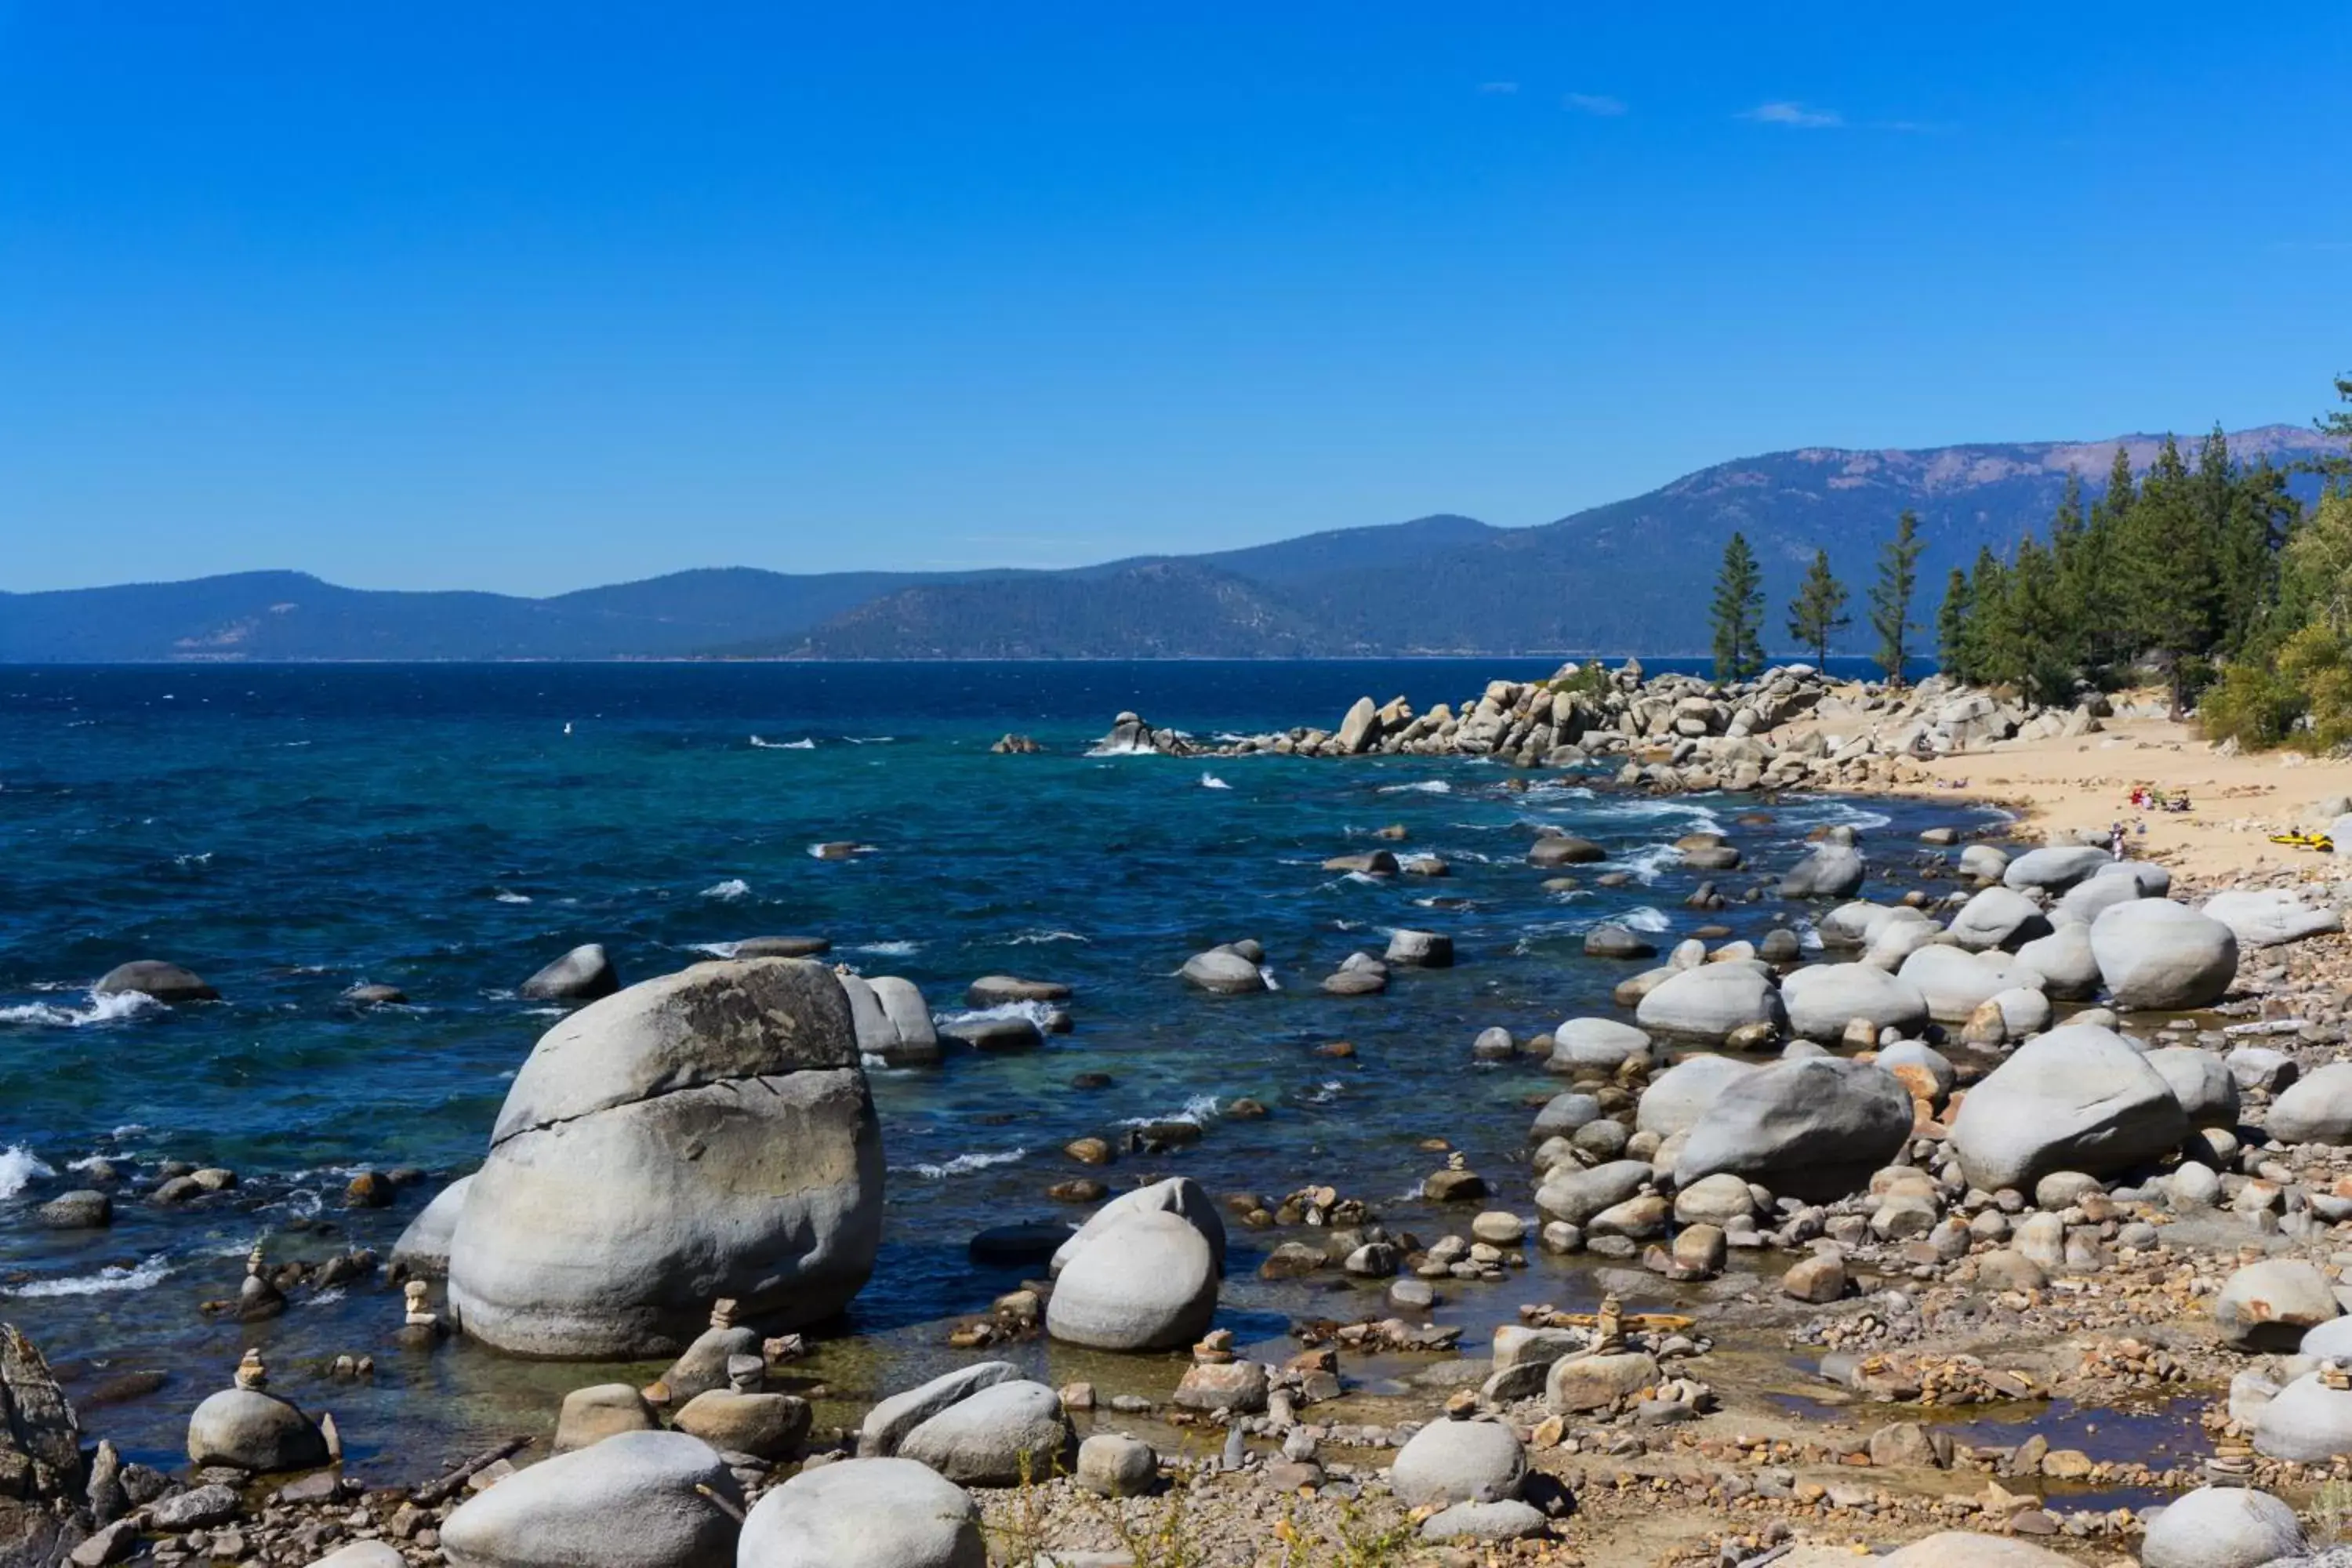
pixel 288 832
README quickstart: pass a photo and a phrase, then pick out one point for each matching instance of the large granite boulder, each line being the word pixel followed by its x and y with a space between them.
pixel 2271 1305
pixel 1954 982
pixel 1822 999
pixel 423 1250
pixel 254 1430
pixel 1008 1434
pixel 2070 971
pixel 1179 1195
pixel 2268 917
pixel 1678 1096
pixel 1999 917
pixel 1574 1194
pixel 892 1020
pixel 583 974
pixel 1147 1282
pixel 1815 1127
pixel 1597 1044
pixel 865 1513
pixel 2222 1527
pixel 2201 1080
pixel 2056 869
pixel 1967 1549
pixel 1829 871
pixel 2076 1099
pixel 640 1500
pixel 2315 1109
pixel 2306 1421
pixel 1709 1002
pixel 705 1134
pixel 2155 954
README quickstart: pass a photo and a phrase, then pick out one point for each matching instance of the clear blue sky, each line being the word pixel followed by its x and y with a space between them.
pixel 527 296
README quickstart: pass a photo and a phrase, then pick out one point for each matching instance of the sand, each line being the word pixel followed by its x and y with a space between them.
pixel 2085 782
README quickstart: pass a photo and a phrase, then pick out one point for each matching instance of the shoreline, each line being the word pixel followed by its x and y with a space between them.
pixel 1774 1449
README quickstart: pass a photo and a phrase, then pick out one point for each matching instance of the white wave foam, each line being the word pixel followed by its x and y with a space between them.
pixel 728 891
pixel 18 1167
pixel 1424 786
pixel 106 1281
pixel 869 739
pixel 816 851
pixel 1124 748
pixel 888 949
pixel 1324 1093
pixel 764 744
pixel 505 896
pixel 1211 781
pixel 184 861
pixel 1028 938
pixel 1646 864
pixel 112 1009
pixel 1645 918
pixel 1037 1012
pixel 326 1298
pixel 715 949
pixel 1200 1111
pixel 963 1164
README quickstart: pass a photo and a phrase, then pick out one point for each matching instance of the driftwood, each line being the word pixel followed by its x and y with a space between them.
pixel 446 1487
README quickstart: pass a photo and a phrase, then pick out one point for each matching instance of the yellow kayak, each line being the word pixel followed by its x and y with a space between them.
pixel 2320 841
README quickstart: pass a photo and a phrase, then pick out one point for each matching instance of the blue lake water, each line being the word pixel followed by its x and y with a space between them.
pixel 288 832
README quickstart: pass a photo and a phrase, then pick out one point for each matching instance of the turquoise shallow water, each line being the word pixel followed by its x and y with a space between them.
pixel 289 832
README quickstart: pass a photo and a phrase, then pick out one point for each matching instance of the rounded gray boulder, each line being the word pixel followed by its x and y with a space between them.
pixel 2063 959
pixel 1823 998
pixel 2306 1421
pixel 1005 1435
pixel 1830 871
pixel 423 1250
pixel 1709 1003
pixel 1147 1282
pixel 2157 955
pixel 583 974
pixel 1679 1096
pixel 253 1431
pixel 2201 1080
pixel 153 977
pixel 865 1513
pixel 1954 982
pixel 1816 1127
pixel 1448 1462
pixel 2076 1099
pixel 2222 1527
pixel 1598 1045
pixel 1999 917
pixel 2317 1109
pixel 640 1500
pixel 2054 869
pixel 705 1134
pixel 1223 972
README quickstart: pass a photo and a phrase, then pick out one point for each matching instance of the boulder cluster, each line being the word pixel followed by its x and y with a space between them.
pixel 1791 727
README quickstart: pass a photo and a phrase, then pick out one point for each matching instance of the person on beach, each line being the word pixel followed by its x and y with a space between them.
pixel 2115 840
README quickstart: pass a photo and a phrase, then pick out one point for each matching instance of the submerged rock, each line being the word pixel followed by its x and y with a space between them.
pixel 155 978
pixel 583 974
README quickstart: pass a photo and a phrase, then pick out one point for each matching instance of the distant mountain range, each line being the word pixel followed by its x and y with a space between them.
pixel 1632 576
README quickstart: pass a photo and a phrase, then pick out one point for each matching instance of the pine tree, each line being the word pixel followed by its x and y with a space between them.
pixel 1738 613
pixel 1987 615
pixel 1818 612
pixel 2172 591
pixel 1890 597
pixel 1952 628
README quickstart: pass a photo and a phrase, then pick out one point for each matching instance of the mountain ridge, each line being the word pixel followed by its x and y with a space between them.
pixel 1627 576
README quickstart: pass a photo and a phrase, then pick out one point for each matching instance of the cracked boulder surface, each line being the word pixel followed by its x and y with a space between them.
pixel 705 1134
pixel 40 1441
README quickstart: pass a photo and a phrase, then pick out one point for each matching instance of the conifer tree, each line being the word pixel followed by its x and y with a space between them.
pixel 1818 612
pixel 1738 613
pixel 1952 628
pixel 1890 597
